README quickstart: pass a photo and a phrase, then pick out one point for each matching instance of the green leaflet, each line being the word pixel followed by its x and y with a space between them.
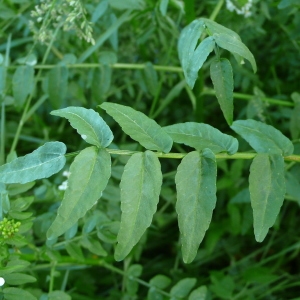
pixel 197 60
pixel 234 45
pixel 41 163
pixel 18 278
pixel 191 59
pixel 140 188
pixel 199 294
pixel 129 4
pixel 89 174
pixel 151 78
pixel 139 127
pixel 182 288
pixel 263 138
pixel 196 199
pixel 200 136
pixel 12 293
pixel 88 124
pixel 267 190
pixel 188 40
pixel 222 78
pixel 58 85
pixel 23 84
pixel 214 27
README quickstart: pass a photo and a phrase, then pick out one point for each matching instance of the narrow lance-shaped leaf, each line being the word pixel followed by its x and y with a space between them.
pixel 41 163
pixel 222 78
pixel 139 127
pixel 200 136
pixel 196 199
pixel 23 84
pixel 263 138
pixel 234 45
pixel 89 174
pixel 58 85
pixel 88 124
pixel 267 190
pixel 197 60
pixel 140 188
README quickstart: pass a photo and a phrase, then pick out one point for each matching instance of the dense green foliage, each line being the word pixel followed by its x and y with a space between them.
pixel 176 125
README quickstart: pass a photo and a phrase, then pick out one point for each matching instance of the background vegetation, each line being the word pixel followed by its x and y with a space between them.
pixel 126 52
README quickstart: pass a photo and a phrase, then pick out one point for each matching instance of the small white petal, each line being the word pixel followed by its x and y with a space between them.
pixel 2 281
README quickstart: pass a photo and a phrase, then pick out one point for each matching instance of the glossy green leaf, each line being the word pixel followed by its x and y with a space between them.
pixel 197 60
pixel 263 138
pixel 267 190
pixel 12 293
pixel 139 127
pixel 41 163
pixel 58 85
pixel 222 78
pixel 234 45
pixel 140 188
pixel 89 174
pixel 23 84
pixel 88 124
pixel 182 288
pixel 18 278
pixel 196 199
pixel 200 136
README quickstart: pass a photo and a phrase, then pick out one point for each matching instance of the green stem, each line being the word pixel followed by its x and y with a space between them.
pixel 238 155
pixel 115 66
pixel 207 91
pixel 51 282
pixel 216 10
pixel 2 135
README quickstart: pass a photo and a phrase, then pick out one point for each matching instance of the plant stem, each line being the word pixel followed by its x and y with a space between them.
pixel 216 10
pixel 249 97
pixel 238 155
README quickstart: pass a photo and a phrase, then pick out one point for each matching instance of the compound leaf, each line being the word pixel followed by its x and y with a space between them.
pixel 267 191
pixel 200 136
pixel 140 187
pixel 139 127
pixel 89 174
pixel 196 199
pixel 263 138
pixel 222 78
pixel 88 124
pixel 41 163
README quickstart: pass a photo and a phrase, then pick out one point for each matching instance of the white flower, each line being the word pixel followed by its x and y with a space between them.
pixel 2 281
pixel 244 10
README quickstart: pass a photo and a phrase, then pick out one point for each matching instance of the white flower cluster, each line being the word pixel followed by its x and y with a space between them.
pixel 2 281
pixel 243 10
pixel 64 184
pixel 70 14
